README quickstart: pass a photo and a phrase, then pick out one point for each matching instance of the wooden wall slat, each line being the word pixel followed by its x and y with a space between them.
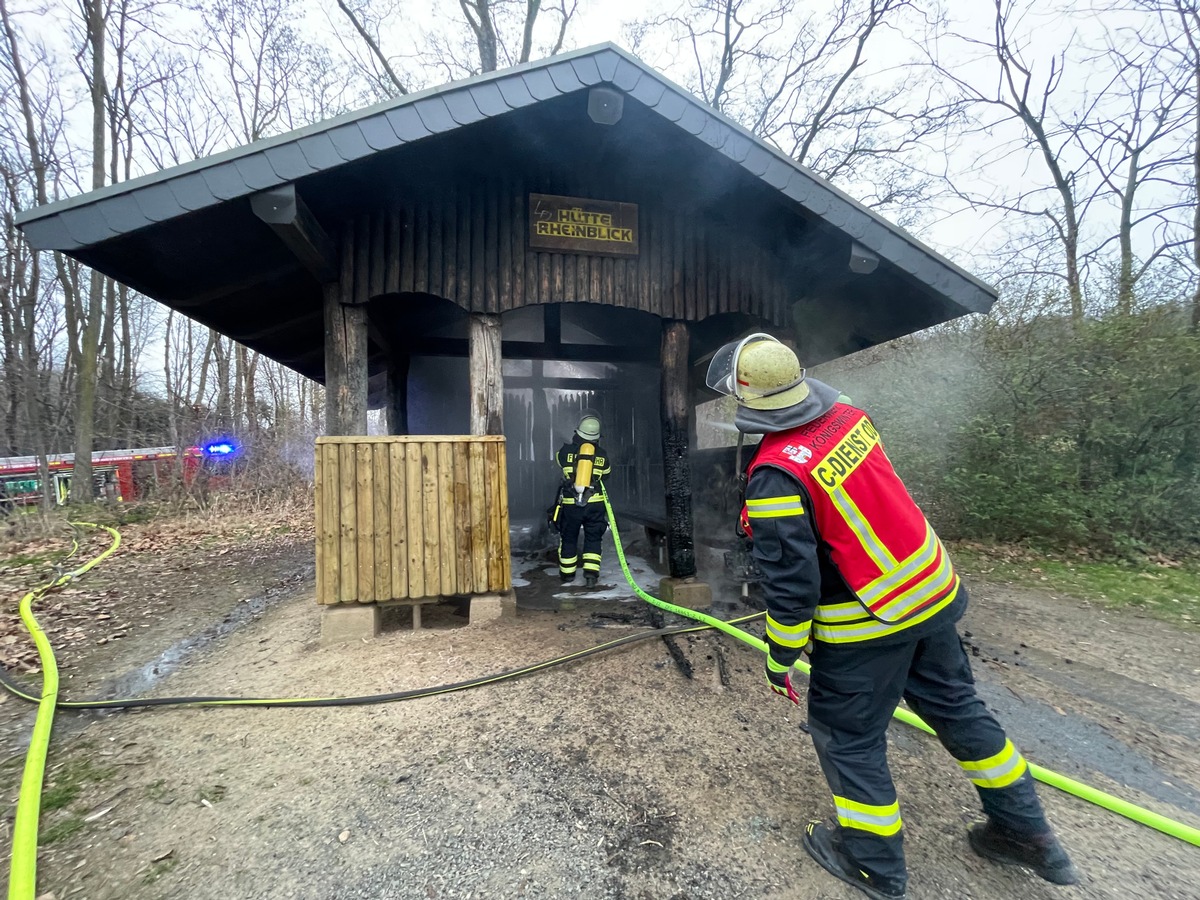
pixel 463 581
pixel 362 259
pixel 505 255
pixel 459 262
pixel 570 263
pixel 365 508
pixel 557 283
pixel 398 514
pixel 334 507
pixel 643 266
pixel 478 518
pixel 348 538
pixel 407 248
pixel 393 242
pixel 322 523
pixel 435 272
pixel 543 278
pixel 520 253
pixel 495 571
pixel 448 545
pixel 422 234
pixel 415 507
pixel 429 500
pixel 593 289
pixel 378 259
pixel 483 243
pixel 383 521
pixel 502 549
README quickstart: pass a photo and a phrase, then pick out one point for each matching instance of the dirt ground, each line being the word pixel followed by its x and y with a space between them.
pixel 614 777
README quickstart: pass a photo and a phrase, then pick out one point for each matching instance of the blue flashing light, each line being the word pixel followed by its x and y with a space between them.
pixel 220 449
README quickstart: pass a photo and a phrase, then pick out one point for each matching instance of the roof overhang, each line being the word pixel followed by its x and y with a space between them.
pixel 195 238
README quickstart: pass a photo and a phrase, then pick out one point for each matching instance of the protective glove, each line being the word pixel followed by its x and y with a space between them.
pixel 781 683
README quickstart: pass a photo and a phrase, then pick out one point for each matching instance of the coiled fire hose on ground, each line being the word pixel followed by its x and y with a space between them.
pixel 23 869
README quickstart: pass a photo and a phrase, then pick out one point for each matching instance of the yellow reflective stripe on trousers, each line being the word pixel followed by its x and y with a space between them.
pixel 870 541
pixel 773 507
pixel 865 629
pixel 591 562
pixel 882 820
pixel 997 771
pixel 924 555
pixel 794 636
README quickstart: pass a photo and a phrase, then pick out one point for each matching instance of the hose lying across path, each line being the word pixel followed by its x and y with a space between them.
pixel 1047 776
pixel 23 870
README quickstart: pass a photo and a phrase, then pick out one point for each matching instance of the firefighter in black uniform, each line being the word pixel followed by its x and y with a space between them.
pixel 855 576
pixel 584 464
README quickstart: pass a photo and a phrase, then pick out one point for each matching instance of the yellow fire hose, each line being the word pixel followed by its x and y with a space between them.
pixel 22 877
pixel 23 869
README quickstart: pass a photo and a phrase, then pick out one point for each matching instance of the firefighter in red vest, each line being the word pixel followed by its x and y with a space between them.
pixel 855 577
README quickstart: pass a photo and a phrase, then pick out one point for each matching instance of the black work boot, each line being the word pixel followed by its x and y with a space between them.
pixel 566 579
pixel 590 579
pixel 823 844
pixel 1040 852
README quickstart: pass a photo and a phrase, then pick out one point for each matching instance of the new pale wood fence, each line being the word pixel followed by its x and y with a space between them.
pixel 411 516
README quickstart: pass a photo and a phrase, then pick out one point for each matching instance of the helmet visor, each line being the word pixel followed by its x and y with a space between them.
pixel 722 371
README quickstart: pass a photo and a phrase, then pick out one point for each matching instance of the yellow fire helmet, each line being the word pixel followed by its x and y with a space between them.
pixel 589 427
pixel 759 372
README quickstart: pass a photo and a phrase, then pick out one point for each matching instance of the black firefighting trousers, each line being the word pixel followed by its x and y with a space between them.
pixel 853 690
pixel 592 519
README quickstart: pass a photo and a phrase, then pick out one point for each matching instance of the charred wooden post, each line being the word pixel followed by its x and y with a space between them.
pixel 397 389
pixel 346 346
pixel 487 382
pixel 677 472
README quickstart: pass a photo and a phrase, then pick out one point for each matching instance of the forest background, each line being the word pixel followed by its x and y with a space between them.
pixel 1052 149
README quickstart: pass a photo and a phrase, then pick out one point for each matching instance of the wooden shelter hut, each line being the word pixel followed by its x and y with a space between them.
pixel 578 227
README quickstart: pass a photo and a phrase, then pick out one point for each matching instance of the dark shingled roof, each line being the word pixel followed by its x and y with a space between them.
pixel 82 225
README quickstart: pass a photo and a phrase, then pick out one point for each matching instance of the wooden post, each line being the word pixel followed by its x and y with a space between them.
pixel 346 347
pixel 397 388
pixel 487 382
pixel 677 471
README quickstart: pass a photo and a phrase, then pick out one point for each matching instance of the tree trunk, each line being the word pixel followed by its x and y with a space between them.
pixel 224 404
pixel 86 364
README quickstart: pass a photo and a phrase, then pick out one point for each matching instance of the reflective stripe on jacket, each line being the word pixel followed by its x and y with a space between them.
pixel 878 539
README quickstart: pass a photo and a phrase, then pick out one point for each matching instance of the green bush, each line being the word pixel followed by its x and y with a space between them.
pixel 1048 432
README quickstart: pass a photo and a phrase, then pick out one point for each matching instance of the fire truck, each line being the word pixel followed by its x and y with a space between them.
pixel 117 475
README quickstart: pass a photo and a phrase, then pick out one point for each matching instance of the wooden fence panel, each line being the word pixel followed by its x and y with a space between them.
pixel 411 516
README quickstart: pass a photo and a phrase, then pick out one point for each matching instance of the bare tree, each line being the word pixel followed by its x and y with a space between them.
pixel 802 77
pixel 1133 147
pixel 1027 98
pixel 367 25
pixel 1178 45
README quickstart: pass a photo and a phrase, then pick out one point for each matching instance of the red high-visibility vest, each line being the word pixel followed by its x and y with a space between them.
pixel 879 540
